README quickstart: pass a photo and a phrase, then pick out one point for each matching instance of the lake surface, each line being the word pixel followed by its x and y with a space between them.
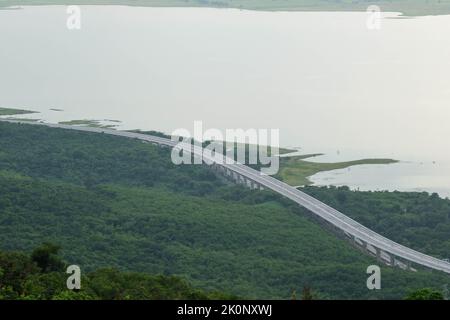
pixel 324 79
pixel 403 176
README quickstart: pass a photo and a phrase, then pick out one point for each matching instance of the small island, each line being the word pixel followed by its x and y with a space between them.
pixel 295 171
pixel 88 123
pixel 12 112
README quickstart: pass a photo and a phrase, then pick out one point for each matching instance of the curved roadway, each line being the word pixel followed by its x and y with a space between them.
pixel 336 218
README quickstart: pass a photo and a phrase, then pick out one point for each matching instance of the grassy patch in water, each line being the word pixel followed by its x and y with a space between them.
pixel 11 111
pixel 296 171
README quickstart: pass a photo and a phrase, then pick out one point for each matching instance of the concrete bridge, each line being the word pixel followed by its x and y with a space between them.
pixel 385 250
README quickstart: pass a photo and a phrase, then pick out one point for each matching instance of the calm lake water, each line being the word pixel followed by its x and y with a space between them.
pixel 326 81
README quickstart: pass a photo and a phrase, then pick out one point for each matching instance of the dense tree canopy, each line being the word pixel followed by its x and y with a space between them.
pixel 425 294
pixel 117 203
pixel 21 278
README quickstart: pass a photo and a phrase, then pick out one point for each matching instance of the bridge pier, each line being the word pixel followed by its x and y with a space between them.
pixel 249 183
pixel 360 243
pixel 409 265
pixel 378 254
pixel 392 260
pixel 244 181
pixel 372 250
pixel 236 177
pixel 255 185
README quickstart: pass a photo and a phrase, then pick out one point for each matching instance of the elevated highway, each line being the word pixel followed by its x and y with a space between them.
pixel 385 250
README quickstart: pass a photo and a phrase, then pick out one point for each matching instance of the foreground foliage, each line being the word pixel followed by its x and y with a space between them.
pixel 425 294
pixel 41 276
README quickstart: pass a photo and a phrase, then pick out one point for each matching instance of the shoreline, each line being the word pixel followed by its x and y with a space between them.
pixel 294 169
pixel 309 169
pixel 297 171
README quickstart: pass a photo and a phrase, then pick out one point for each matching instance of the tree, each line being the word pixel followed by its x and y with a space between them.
pixel 294 295
pixel 46 257
pixel 307 293
pixel 425 294
pixel 15 267
pixel 71 295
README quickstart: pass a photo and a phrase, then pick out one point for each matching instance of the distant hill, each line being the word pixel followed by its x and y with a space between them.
pixel 407 7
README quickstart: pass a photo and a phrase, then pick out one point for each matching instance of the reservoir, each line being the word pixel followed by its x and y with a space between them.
pixel 330 84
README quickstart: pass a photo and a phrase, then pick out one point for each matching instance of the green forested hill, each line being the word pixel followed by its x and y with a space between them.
pixel 115 202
